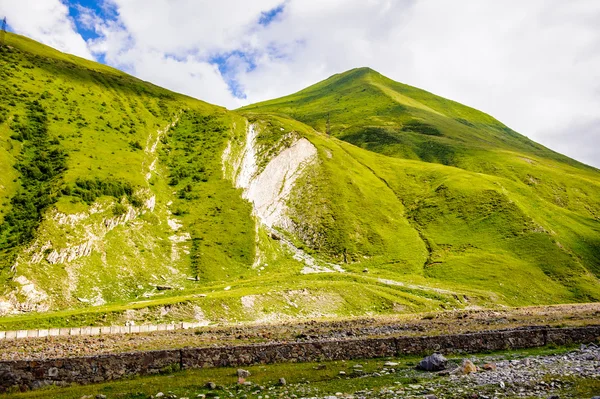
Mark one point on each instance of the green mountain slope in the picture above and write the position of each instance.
(92, 157)
(125, 201)
(371, 111)
(506, 207)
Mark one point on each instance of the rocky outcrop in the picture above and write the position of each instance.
(26, 297)
(71, 253)
(269, 188)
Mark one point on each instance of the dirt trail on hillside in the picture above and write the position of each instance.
(462, 321)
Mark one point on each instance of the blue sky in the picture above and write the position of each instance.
(533, 65)
(74, 12)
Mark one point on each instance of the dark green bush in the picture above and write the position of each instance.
(41, 164)
(90, 189)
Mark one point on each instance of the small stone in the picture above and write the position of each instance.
(430, 396)
(390, 364)
(158, 395)
(243, 373)
(282, 381)
(211, 385)
(342, 372)
(489, 366)
(435, 362)
(365, 270)
(467, 367)
(501, 384)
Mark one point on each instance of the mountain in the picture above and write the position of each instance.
(371, 111)
(500, 204)
(359, 195)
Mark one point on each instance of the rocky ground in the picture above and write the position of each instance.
(545, 376)
(404, 325)
(529, 373)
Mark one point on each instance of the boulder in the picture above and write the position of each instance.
(467, 367)
(435, 362)
(241, 373)
(489, 366)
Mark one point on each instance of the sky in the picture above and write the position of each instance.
(534, 65)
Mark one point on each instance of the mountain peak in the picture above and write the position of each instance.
(361, 105)
(360, 71)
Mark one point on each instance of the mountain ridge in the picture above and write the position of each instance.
(341, 83)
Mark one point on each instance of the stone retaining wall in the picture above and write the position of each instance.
(31, 374)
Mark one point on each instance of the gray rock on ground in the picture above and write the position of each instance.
(241, 373)
(435, 362)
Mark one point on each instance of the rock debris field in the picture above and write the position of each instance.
(551, 376)
(544, 376)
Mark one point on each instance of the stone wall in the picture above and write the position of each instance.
(85, 370)
(31, 374)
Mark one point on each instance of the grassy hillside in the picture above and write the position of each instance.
(124, 201)
(369, 110)
(493, 208)
(100, 171)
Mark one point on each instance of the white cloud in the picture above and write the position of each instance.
(172, 42)
(46, 21)
(534, 65)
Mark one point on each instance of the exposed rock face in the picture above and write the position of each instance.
(71, 253)
(111, 223)
(269, 190)
(435, 362)
(27, 297)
